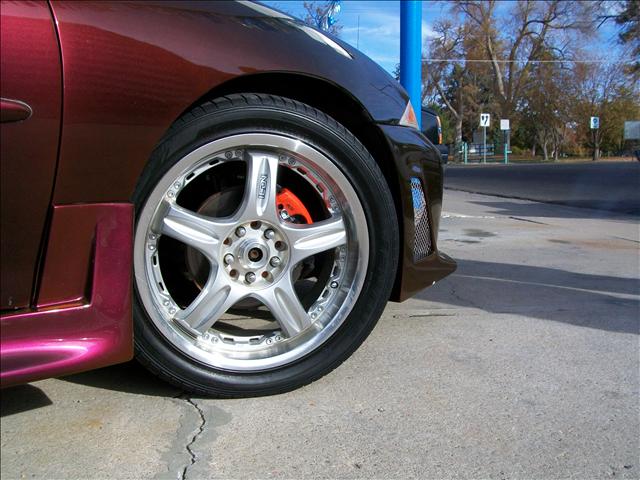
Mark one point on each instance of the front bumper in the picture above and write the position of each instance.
(420, 182)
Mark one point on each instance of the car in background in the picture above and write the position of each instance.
(432, 129)
(215, 186)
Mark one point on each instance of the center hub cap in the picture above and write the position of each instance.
(255, 254)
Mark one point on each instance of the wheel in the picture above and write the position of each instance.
(265, 248)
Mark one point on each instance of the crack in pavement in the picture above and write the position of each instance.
(188, 446)
(197, 429)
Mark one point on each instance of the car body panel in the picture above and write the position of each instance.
(131, 69)
(30, 81)
(416, 158)
(92, 332)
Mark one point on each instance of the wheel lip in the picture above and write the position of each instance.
(201, 154)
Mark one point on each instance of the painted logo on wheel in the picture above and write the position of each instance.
(262, 187)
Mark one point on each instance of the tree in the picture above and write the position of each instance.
(320, 15)
(450, 80)
(527, 64)
(534, 27)
(545, 109)
(601, 90)
(444, 79)
(629, 22)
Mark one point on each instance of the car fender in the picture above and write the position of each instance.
(131, 69)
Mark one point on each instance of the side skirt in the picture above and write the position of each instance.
(83, 318)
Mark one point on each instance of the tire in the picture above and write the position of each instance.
(214, 245)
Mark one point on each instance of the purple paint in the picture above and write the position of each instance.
(60, 341)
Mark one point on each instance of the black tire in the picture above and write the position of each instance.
(242, 113)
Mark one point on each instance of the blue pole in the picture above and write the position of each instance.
(411, 52)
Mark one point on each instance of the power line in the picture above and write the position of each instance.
(462, 60)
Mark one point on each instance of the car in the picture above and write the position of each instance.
(216, 187)
(431, 127)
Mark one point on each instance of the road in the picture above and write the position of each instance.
(523, 364)
(605, 186)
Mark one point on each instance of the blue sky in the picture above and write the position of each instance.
(379, 25)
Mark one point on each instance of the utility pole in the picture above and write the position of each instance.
(411, 52)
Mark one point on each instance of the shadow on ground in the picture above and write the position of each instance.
(22, 399)
(130, 377)
(552, 294)
(540, 292)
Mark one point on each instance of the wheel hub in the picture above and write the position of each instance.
(255, 254)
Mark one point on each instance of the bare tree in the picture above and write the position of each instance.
(601, 90)
(454, 80)
(545, 108)
(448, 80)
(533, 28)
(317, 15)
(528, 65)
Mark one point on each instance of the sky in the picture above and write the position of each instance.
(374, 26)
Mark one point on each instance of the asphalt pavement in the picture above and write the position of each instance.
(602, 186)
(522, 364)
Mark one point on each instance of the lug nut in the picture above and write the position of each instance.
(240, 231)
(275, 261)
(269, 234)
(250, 277)
(228, 259)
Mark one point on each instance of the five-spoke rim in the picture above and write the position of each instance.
(253, 254)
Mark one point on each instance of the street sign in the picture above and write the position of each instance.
(506, 131)
(632, 130)
(485, 121)
(595, 123)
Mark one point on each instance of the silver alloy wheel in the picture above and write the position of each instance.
(253, 254)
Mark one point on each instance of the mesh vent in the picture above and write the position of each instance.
(422, 240)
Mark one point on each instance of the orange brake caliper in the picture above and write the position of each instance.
(292, 207)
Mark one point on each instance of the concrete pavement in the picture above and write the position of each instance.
(523, 364)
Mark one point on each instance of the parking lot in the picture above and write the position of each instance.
(522, 364)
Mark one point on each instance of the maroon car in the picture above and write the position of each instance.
(217, 187)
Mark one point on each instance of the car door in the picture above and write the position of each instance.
(31, 94)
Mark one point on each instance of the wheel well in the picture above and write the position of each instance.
(335, 102)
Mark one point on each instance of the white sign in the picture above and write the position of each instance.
(504, 124)
(485, 119)
(632, 130)
(595, 123)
